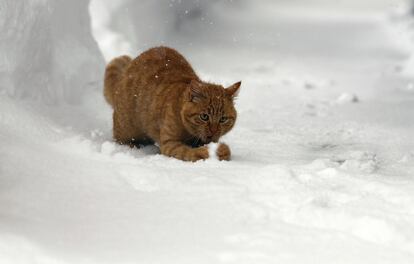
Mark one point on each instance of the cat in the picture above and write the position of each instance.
(158, 98)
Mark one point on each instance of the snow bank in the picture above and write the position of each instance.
(401, 28)
(47, 51)
(129, 27)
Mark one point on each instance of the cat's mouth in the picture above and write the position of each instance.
(210, 139)
(203, 140)
(198, 142)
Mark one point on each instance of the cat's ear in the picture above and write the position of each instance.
(195, 93)
(233, 90)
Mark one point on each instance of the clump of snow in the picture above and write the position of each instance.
(352, 162)
(345, 98)
(359, 161)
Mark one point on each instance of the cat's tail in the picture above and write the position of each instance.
(113, 74)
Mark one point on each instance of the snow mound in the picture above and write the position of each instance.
(47, 50)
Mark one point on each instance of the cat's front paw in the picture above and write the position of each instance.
(223, 152)
(200, 153)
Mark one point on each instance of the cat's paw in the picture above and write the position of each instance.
(200, 153)
(223, 152)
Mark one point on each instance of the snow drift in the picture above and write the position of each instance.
(47, 50)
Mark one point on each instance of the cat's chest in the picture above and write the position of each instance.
(194, 142)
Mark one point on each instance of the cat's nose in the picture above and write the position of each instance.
(213, 129)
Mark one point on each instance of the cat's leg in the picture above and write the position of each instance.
(120, 134)
(181, 151)
(171, 146)
(125, 134)
(124, 140)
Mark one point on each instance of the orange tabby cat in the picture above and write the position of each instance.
(157, 97)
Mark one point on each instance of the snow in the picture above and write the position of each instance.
(347, 98)
(45, 53)
(212, 150)
(315, 177)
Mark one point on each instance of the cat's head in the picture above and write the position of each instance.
(208, 111)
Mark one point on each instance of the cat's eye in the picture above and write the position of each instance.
(204, 117)
(223, 119)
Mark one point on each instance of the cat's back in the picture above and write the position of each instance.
(161, 65)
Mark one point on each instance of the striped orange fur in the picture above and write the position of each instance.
(158, 98)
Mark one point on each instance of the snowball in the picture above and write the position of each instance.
(212, 150)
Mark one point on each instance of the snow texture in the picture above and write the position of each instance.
(322, 166)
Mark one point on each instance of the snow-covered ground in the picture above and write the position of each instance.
(323, 154)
